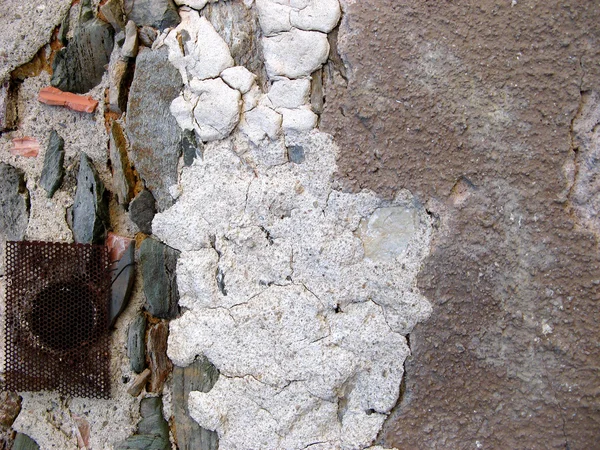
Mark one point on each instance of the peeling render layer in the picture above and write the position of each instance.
(305, 328)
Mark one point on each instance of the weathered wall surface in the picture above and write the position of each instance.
(481, 108)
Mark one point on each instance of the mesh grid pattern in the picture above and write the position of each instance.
(56, 326)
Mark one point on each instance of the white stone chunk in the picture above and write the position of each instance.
(182, 110)
(261, 122)
(274, 17)
(317, 15)
(196, 49)
(295, 54)
(217, 111)
(239, 78)
(286, 93)
(195, 4)
(252, 98)
(299, 120)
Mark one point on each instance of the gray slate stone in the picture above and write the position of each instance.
(152, 431)
(190, 147)
(296, 153)
(122, 283)
(158, 263)
(14, 207)
(8, 105)
(136, 343)
(159, 14)
(89, 214)
(153, 132)
(142, 211)
(24, 442)
(53, 171)
(80, 66)
(201, 376)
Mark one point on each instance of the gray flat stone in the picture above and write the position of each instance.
(152, 430)
(90, 208)
(24, 442)
(190, 147)
(201, 376)
(153, 132)
(144, 442)
(53, 171)
(131, 45)
(122, 283)
(142, 210)
(14, 207)
(158, 263)
(159, 14)
(296, 153)
(80, 66)
(136, 343)
(8, 105)
(123, 176)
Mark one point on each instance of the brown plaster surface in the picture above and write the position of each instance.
(469, 104)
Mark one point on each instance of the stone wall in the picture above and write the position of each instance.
(354, 224)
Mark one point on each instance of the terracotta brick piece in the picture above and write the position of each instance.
(26, 146)
(53, 96)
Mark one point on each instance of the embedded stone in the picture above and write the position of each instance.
(299, 120)
(317, 95)
(159, 14)
(274, 16)
(152, 430)
(123, 274)
(8, 104)
(120, 74)
(138, 384)
(159, 364)
(316, 15)
(196, 49)
(286, 93)
(122, 172)
(190, 148)
(89, 214)
(158, 263)
(239, 78)
(147, 35)
(131, 45)
(53, 170)
(201, 376)
(153, 132)
(260, 122)
(10, 407)
(14, 206)
(24, 442)
(296, 154)
(295, 53)
(79, 66)
(218, 109)
(136, 343)
(142, 210)
(113, 12)
(195, 4)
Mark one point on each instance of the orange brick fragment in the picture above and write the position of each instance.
(53, 96)
(26, 146)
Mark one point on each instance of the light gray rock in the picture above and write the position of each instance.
(295, 54)
(196, 49)
(90, 218)
(120, 74)
(113, 11)
(131, 45)
(274, 16)
(159, 14)
(217, 110)
(260, 122)
(316, 15)
(53, 171)
(239, 78)
(286, 93)
(153, 132)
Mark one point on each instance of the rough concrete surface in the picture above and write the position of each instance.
(470, 106)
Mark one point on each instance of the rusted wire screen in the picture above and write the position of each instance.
(56, 333)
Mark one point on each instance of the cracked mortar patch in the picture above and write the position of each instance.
(306, 330)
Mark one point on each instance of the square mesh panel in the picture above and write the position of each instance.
(56, 328)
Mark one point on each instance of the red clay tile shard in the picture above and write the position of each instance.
(53, 96)
(26, 146)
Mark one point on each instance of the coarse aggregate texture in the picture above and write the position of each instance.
(471, 105)
(306, 332)
(27, 26)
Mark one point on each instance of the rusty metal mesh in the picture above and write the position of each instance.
(56, 332)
